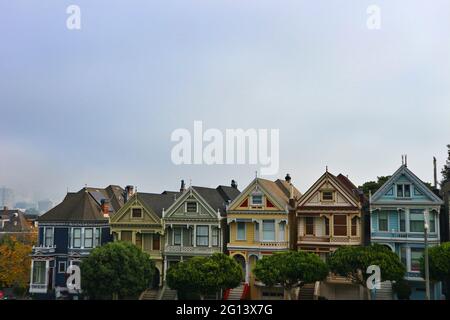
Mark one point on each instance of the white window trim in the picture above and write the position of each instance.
(65, 266)
(274, 231)
(257, 204)
(196, 206)
(52, 236)
(378, 222)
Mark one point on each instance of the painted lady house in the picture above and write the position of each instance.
(139, 221)
(195, 223)
(330, 215)
(67, 234)
(258, 223)
(398, 210)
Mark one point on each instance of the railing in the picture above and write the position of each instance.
(38, 288)
(403, 235)
(277, 244)
(415, 275)
(79, 251)
(192, 249)
(330, 239)
(43, 249)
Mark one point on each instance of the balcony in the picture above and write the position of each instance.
(329, 239)
(403, 235)
(79, 252)
(43, 250)
(38, 288)
(274, 244)
(200, 250)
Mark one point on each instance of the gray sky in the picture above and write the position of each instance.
(97, 106)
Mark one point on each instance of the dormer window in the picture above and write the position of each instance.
(136, 213)
(191, 207)
(403, 191)
(327, 195)
(257, 199)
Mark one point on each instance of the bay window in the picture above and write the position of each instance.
(39, 271)
(215, 237)
(340, 224)
(416, 221)
(282, 231)
(76, 238)
(176, 236)
(241, 231)
(88, 237)
(268, 230)
(203, 235)
(382, 221)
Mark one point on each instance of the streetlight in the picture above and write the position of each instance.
(427, 269)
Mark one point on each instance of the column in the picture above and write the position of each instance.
(165, 268)
(247, 267)
(349, 225)
(133, 237)
(209, 235)
(331, 224)
(195, 236)
(182, 240)
(277, 229)
(260, 230)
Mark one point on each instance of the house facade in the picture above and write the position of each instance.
(258, 226)
(195, 223)
(67, 234)
(13, 223)
(329, 215)
(139, 221)
(398, 210)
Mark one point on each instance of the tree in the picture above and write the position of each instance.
(439, 265)
(204, 275)
(290, 269)
(446, 170)
(372, 186)
(352, 262)
(15, 263)
(116, 270)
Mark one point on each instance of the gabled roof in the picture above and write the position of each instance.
(85, 205)
(157, 202)
(340, 182)
(418, 183)
(13, 221)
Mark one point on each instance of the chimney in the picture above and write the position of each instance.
(105, 207)
(234, 184)
(435, 172)
(288, 178)
(183, 186)
(129, 191)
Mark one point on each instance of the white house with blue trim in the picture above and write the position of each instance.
(397, 221)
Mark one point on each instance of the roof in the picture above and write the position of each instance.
(279, 189)
(13, 221)
(219, 197)
(85, 205)
(158, 201)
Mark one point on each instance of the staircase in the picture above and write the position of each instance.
(149, 294)
(307, 292)
(168, 294)
(236, 293)
(385, 292)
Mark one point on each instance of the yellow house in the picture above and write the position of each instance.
(139, 221)
(258, 224)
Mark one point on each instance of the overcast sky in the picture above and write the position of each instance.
(97, 106)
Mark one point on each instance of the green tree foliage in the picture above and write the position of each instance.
(205, 275)
(290, 269)
(116, 270)
(446, 170)
(352, 261)
(372, 186)
(439, 264)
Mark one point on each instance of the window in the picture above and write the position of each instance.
(354, 226)
(97, 241)
(309, 225)
(191, 207)
(416, 254)
(403, 191)
(39, 272)
(257, 199)
(215, 237)
(327, 226)
(62, 267)
(382, 221)
(136, 213)
(177, 236)
(241, 231)
(126, 236)
(88, 237)
(77, 237)
(402, 217)
(147, 241)
(416, 222)
(256, 232)
(138, 240)
(327, 195)
(268, 230)
(156, 242)
(432, 222)
(403, 255)
(202, 235)
(282, 229)
(48, 237)
(340, 224)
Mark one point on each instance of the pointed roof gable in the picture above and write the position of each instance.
(412, 178)
(158, 202)
(341, 183)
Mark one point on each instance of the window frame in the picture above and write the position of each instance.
(59, 266)
(204, 237)
(191, 202)
(74, 238)
(322, 193)
(244, 238)
(91, 238)
(175, 243)
(309, 225)
(340, 225)
(271, 223)
(257, 203)
(49, 234)
(141, 215)
(379, 219)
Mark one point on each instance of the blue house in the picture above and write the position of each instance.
(67, 234)
(397, 221)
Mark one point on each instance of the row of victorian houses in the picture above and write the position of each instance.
(264, 218)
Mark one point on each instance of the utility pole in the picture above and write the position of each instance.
(427, 268)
